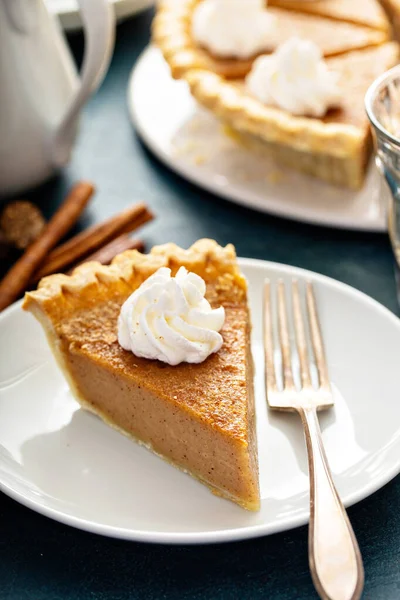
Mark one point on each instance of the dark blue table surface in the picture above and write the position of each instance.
(41, 559)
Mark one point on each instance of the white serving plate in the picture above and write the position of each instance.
(67, 464)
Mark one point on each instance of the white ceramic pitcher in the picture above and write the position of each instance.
(40, 92)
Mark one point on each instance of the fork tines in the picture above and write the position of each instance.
(304, 330)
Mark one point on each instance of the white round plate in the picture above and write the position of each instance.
(67, 464)
(192, 142)
(68, 12)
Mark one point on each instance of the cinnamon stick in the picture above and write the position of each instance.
(18, 277)
(93, 238)
(106, 254)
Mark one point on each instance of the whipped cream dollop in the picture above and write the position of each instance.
(295, 78)
(233, 28)
(168, 319)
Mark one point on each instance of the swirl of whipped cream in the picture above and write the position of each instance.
(168, 319)
(233, 28)
(295, 78)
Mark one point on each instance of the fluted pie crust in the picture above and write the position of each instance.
(200, 418)
(335, 148)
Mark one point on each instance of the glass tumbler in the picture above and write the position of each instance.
(382, 103)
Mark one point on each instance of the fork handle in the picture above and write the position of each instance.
(335, 559)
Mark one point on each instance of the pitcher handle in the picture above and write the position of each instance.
(99, 23)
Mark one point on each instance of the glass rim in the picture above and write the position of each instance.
(380, 83)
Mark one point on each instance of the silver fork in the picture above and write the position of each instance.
(334, 557)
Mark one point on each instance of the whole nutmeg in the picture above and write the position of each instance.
(21, 223)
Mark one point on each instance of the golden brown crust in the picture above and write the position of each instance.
(59, 294)
(344, 170)
(172, 33)
(233, 104)
(247, 114)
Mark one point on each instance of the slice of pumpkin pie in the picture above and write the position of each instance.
(158, 346)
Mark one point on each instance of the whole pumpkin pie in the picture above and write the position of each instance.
(333, 145)
(199, 416)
